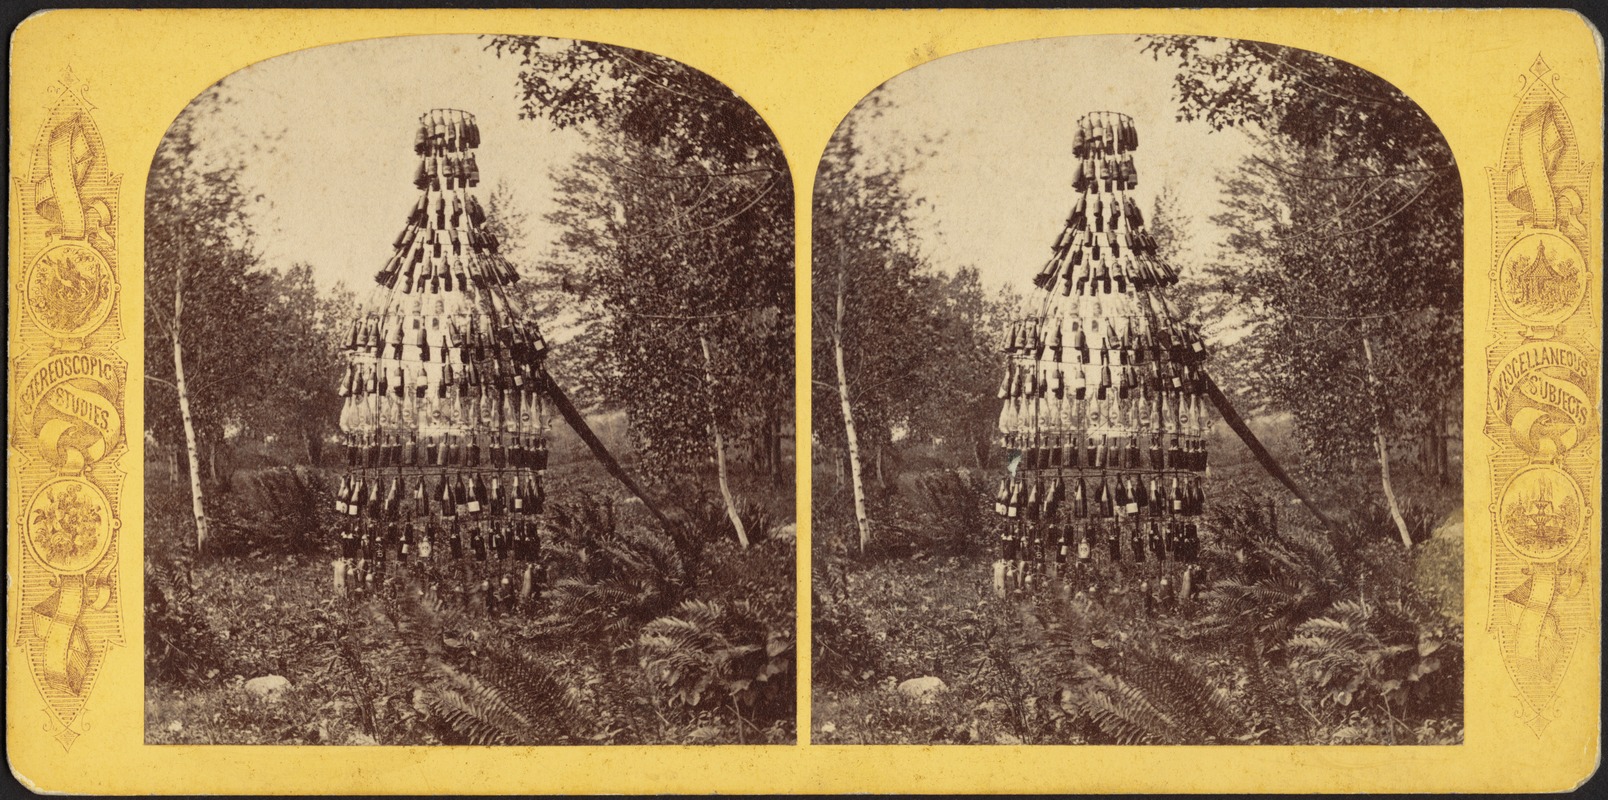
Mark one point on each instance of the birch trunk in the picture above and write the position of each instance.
(720, 447)
(860, 517)
(184, 412)
(1383, 451)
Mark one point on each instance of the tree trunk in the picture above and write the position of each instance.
(720, 447)
(853, 442)
(773, 461)
(189, 423)
(566, 409)
(212, 460)
(1382, 449)
(315, 445)
(1260, 452)
(882, 479)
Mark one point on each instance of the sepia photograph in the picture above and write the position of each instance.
(1137, 403)
(468, 403)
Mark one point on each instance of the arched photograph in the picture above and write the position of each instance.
(1137, 403)
(469, 420)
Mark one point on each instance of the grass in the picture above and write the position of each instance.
(930, 616)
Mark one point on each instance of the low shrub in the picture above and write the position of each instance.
(180, 644)
(843, 651)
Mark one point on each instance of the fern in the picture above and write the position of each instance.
(643, 576)
(466, 721)
(490, 696)
(1144, 698)
(757, 519)
(617, 577)
(501, 698)
(1269, 580)
(711, 652)
(1392, 653)
(954, 515)
(1120, 686)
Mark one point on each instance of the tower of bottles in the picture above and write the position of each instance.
(445, 419)
(1103, 397)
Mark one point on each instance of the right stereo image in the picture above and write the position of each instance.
(1137, 403)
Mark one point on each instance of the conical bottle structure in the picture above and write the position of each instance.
(1103, 390)
(444, 391)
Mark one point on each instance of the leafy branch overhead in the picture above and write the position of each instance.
(647, 98)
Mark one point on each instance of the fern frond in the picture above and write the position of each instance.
(470, 722)
(503, 698)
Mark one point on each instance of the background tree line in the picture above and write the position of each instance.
(669, 295)
(675, 261)
(901, 352)
(1344, 258)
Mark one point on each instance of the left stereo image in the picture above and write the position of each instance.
(469, 403)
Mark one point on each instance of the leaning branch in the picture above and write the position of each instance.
(1306, 176)
(1376, 223)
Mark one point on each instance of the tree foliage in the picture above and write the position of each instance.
(961, 364)
(1347, 225)
(301, 356)
(657, 102)
(261, 342)
(197, 241)
(920, 354)
(863, 240)
(675, 257)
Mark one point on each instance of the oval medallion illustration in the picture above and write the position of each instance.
(70, 289)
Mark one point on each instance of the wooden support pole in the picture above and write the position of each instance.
(1263, 457)
(571, 415)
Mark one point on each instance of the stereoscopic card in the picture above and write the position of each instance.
(680, 401)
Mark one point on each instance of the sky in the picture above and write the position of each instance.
(326, 136)
(986, 138)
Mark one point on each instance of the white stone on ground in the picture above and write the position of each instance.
(268, 687)
(924, 687)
